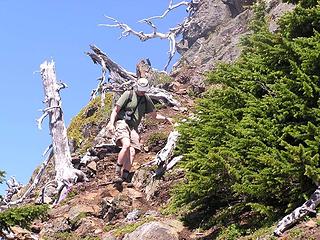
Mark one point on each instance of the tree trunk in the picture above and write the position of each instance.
(66, 174)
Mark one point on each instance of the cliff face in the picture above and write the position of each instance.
(214, 34)
(100, 210)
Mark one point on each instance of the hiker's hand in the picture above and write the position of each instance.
(110, 128)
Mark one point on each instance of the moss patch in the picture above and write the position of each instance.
(156, 141)
(75, 222)
(69, 236)
(161, 78)
(92, 114)
(129, 228)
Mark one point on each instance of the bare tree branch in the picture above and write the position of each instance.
(171, 35)
(35, 181)
(170, 7)
(47, 150)
(13, 187)
(116, 73)
(40, 120)
(45, 113)
(162, 95)
(61, 85)
(122, 80)
(102, 80)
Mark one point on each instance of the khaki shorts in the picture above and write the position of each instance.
(124, 131)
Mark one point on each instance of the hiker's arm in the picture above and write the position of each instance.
(113, 116)
(158, 116)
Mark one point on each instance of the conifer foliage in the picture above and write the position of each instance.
(252, 149)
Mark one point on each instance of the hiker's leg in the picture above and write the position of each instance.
(124, 154)
(128, 164)
(134, 147)
(132, 154)
(122, 139)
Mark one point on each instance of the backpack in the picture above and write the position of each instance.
(129, 99)
(129, 114)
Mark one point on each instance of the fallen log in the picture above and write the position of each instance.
(300, 212)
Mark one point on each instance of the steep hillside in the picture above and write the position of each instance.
(102, 209)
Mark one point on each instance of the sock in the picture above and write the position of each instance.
(125, 174)
(118, 169)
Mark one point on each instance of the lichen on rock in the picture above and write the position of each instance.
(86, 125)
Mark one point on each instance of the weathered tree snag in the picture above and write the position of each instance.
(143, 69)
(36, 179)
(117, 73)
(300, 212)
(163, 156)
(100, 88)
(121, 80)
(171, 35)
(13, 187)
(162, 95)
(66, 174)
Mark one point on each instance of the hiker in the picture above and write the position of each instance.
(124, 121)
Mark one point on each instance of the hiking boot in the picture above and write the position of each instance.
(118, 180)
(125, 175)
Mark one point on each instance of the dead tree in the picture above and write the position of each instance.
(144, 69)
(66, 174)
(36, 179)
(300, 212)
(163, 159)
(171, 35)
(13, 188)
(121, 80)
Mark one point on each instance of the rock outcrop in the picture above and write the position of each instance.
(213, 36)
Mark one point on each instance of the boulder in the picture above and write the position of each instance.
(156, 231)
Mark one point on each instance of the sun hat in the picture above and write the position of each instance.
(143, 85)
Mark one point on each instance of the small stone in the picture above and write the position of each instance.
(311, 224)
(183, 109)
(134, 215)
(92, 166)
(98, 231)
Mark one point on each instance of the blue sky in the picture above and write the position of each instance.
(33, 31)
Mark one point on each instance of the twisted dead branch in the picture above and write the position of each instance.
(171, 35)
(121, 80)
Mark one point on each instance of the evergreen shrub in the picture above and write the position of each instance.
(22, 216)
(252, 149)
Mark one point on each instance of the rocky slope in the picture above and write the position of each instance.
(214, 36)
(99, 209)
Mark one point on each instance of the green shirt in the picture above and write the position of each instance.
(145, 106)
